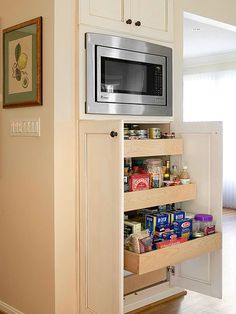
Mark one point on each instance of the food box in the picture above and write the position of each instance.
(131, 227)
(165, 232)
(163, 244)
(139, 182)
(175, 215)
(154, 221)
(183, 228)
(162, 219)
(150, 223)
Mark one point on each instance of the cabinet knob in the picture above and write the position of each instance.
(113, 134)
(138, 23)
(129, 21)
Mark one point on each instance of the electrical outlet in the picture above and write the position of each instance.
(25, 127)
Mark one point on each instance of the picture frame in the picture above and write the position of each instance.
(22, 64)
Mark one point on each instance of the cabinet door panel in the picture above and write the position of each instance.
(110, 14)
(101, 228)
(203, 156)
(156, 17)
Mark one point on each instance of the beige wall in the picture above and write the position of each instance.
(26, 184)
(223, 11)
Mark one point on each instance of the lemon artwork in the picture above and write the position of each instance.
(22, 61)
(18, 67)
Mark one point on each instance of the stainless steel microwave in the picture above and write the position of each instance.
(128, 77)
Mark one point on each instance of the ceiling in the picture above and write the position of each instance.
(201, 39)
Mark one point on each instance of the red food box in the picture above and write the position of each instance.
(139, 182)
(163, 244)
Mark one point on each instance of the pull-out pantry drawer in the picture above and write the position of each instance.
(172, 255)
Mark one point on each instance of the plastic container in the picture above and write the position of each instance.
(205, 222)
(154, 168)
(184, 176)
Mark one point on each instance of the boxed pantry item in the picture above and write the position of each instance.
(175, 214)
(163, 244)
(154, 221)
(166, 232)
(131, 227)
(139, 182)
(183, 228)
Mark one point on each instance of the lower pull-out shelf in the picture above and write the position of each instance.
(147, 262)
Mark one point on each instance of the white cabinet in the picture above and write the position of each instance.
(150, 18)
(102, 206)
(100, 219)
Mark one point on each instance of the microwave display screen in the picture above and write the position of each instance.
(130, 77)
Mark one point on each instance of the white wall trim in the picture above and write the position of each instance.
(148, 296)
(218, 60)
(209, 21)
(9, 309)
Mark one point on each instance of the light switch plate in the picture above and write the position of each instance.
(25, 127)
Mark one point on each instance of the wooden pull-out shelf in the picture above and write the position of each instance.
(160, 196)
(147, 262)
(159, 147)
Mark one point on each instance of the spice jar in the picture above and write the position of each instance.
(206, 224)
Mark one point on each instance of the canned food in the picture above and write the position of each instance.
(126, 131)
(168, 135)
(154, 133)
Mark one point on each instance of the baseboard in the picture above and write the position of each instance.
(149, 296)
(8, 309)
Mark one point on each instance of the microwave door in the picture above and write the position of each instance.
(129, 77)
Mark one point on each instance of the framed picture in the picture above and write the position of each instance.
(22, 61)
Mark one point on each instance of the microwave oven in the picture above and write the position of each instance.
(127, 77)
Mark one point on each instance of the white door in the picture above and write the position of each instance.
(153, 19)
(101, 217)
(203, 156)
(109, 14)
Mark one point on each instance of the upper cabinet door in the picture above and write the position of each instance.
(203, 156)
(109, 14)
(153, 19)
(142, 18)
(101, 217)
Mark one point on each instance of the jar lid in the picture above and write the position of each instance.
(203, 217)
(189, 215)
(153, 161)
(198, 234)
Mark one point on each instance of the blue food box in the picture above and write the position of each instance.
(176, 215)
(150, 223)
(161, 219)
(154, 221)
(183, 228)
(165, 232)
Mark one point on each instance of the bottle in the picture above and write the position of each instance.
(135, 170)
(184, 176)
(174, 175)
(167, 172)
(126, 179)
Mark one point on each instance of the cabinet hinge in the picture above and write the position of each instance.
(170, 271)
